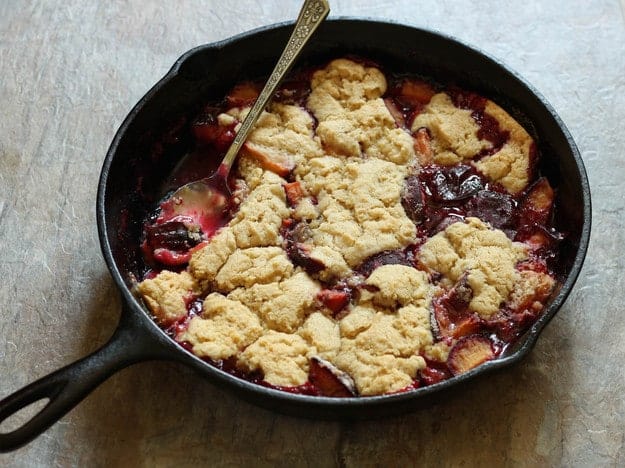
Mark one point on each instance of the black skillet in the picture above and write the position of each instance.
(155, 134)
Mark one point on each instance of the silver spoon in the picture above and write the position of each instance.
(208, 198)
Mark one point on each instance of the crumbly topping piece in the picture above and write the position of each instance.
(438, 351)
(282, 305)
(224, 329)
(344, 85)
(486, 256)
(281, 357)
(360, 211)
(398, 285)
(510, 166)
(334, 263)
(357, 321)
(282, 136)
(258, 220)
(380, 351)
(453, 131)
(256, 265)
(321, 333)
(353, 119)
(206, 262)
(530, 292)
(166, 295)
(305, 210)
(250, 170)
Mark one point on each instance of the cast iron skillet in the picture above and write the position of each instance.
(154, 135)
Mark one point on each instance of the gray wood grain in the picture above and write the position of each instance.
(71, 70)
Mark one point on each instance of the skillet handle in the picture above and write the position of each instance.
(66, 387)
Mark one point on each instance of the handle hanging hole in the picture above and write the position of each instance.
(22, 416)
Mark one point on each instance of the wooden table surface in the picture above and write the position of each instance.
(70, 72)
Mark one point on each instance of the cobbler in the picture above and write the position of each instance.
(385, 233)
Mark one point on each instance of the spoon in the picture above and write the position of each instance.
(206, 200)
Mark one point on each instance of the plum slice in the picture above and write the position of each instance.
(496, 208)
(423, 146)
(433, 373)
(330, 380)
(406, 98)
(295, 235)
(395, 111)
(452, 317)
(412, 199)
(468, 353)
(452, 184)
(172, 235)
(243, 94)
(536, 207)
(333, 299)
(207, 130)
(294, 192)
(170, 243)
(387, 257)
(534, 213)
(270, 159)
(415, 92)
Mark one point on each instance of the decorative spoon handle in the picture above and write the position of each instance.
(311, 15)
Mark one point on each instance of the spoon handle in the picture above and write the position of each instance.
(311, 15)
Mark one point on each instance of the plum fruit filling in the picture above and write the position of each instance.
(385, 233)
